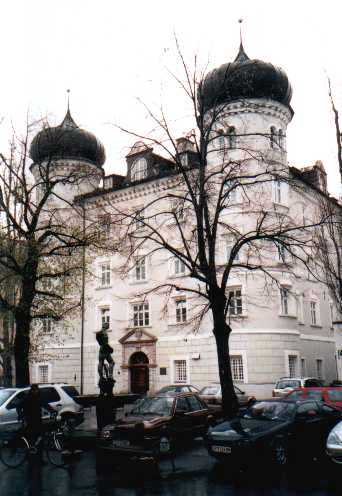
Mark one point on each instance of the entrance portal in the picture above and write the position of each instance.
(139, 371)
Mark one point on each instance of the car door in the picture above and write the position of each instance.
(198, 415)
(9, 417)
(182, 420)
(309, 424)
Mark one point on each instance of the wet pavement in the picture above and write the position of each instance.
(193, 473)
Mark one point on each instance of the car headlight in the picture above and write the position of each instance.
(333, 438)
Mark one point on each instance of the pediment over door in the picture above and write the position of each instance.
(138, 336)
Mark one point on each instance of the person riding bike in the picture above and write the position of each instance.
(30, 412)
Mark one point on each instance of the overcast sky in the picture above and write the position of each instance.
(110, 52)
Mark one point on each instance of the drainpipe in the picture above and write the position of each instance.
(82, 299)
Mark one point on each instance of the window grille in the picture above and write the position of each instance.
(47, 325)
(292, 365)
(235, 302)
(236, 364)
(141, 314)
(180, 371)
(43, 374)
(181, 315)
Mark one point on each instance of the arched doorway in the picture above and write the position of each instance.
(139, 371)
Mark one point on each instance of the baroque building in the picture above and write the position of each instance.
(281, 330)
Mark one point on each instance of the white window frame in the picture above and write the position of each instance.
(232, 197)
(181, 270)
(139, 169)
(229, 242)
(241, 297)
(315, 317)
(105, 275)
(243, 354)
(139, 219)
(284, 301)
(184, 159)
(280, 192)
(181, 310)
(101, 309)
(175, 358)
(144, 310)
(49, 369)
(287, 354)
(231, 138)
(300, 308)
(105, 223)
(140, 269)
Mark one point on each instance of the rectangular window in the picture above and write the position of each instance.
(179, 267)
(139, 220)
(236, 364)
(230, 242)
(140, 269)
(180, 371)
(319, 368)
(230, 189)
(105, 274)
(43, 374)
(141, 314)
(47, 324)
(303, 367)
(313, 312)
(277, 192)
(284, 298)
(104, 224)
(177, 209)
(235, 302)
(105, 317)
(221, 144)
(293, 361)
(181, 315)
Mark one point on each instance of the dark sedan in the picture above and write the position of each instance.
(156, 424)
(275, 431)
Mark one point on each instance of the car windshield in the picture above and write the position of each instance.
(287, 384)
(158, 406)
(210, 390)
(168, 389)
(335, 394)
(271, 410)
(5, 394)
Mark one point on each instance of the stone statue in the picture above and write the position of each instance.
(106, 363)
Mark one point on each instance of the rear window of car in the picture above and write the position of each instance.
(287, 384)
(334, 394)
(70, 391)
(209, 390)
(4, 395)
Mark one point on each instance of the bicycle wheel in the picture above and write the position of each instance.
(55, 449)
(14, 452)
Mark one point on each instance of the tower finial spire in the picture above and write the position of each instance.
(68, 91)
(68, 121)
(241, 56)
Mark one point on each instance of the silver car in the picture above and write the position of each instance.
(334, 444)
(287, 384)
(59, 396)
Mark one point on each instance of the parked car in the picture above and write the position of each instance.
(178, 388)
(274, 431)
(155, 425)
(212, 394)
(331, 396)
(287, 384)
(59, 396)
(334, 444)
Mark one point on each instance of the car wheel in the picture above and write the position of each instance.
(279, 453)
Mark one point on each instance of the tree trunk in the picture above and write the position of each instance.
(21, 351)
(7, 370)
(222, 332)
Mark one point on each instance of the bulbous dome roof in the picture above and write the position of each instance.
(67, 141)
(244, 78)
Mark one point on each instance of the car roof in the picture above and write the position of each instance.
(315, 388)
(174, 394)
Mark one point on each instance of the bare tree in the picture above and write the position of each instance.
(197, 205)
(42, 237)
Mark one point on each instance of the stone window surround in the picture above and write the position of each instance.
(100, 264)
(288, 353)
(172, 368)
(40, 364)
(243, 354)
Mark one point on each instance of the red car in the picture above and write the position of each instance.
(330, 395)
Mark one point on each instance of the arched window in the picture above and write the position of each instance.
(139, 169)
(231, 138)
(273, 137)
(280, 138)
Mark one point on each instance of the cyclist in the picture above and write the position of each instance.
(30, 411)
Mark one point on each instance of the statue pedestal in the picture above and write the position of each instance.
(105, 409)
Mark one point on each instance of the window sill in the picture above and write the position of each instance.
(175, 324)
(103, 287)
(133, 283)
(289, 316)
(316, 325)
(177, 276)
(131, 328)
(239, 316)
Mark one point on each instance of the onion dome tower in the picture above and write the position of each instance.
(71, 152)
(252, 101)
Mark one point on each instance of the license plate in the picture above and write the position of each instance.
(222, 449)
(121, 443)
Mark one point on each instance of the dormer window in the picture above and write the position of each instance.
(139, 169)
(231, 138)
(273, 137)
(184, 159)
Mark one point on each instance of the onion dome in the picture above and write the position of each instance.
(67, 141)
(244, 78)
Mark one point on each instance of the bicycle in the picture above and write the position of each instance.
(15, 451)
